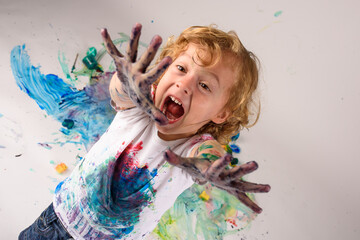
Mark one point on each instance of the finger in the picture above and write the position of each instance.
(248, 186)
(239, 171)
(144, 102)
(173, 158)
(218, 167)
(193, 166)
(150, 53)
(199, 181)
(159, 117)
(155, 73)
(109, 45)
(132, 49)
(248, 202)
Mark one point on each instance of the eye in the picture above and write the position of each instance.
(204, 86)
(180, 68)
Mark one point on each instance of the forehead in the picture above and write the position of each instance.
(220, 67)
(197, 53)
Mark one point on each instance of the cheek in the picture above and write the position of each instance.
(157, 98)
(215, 106)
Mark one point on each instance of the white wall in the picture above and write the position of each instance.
(306, 142)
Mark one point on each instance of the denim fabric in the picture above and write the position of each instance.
(47, 226)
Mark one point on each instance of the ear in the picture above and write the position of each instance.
(221, 117)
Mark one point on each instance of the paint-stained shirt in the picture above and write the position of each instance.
(123, 185)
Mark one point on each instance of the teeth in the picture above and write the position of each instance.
(174, 100)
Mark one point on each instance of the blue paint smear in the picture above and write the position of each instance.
(88, 109)
(235, 148)
(131, 187)
(235, 137)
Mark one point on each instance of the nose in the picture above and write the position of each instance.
(186, 85)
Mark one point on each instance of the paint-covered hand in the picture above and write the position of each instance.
(135, 80)
(216, 173)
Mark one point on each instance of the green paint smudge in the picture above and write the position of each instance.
(278, 13)
(209, 156)
(204, 146)
(210, 217)
(68, 123)
(234, 161)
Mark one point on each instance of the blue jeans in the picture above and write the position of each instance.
(47, 226)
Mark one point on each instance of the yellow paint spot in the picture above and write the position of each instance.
(60, 168)
(203, 196)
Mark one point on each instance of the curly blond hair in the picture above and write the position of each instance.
(244, 63)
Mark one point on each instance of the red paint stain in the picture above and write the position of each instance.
(232, 221)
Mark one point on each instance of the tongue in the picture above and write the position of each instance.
(174, 110)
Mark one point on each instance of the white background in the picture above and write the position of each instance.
(307, 140)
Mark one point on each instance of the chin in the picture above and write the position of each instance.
(169, 133)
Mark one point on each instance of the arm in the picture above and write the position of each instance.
(132, 84)
(202, 169)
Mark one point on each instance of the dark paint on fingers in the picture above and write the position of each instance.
(171, 157)
(132, 49)
(160, 118)
(249, 203)
(240, 171)
(218, 167)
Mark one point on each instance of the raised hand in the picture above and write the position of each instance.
(136, 81)
(216, 173)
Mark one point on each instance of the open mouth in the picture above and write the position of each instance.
(173, 109)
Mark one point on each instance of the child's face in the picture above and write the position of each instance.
(191, 95)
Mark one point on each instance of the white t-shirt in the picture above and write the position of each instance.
(123, 185)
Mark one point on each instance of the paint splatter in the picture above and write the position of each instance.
(235, 148)
(45, 145)
(60, 168)
(132, 183)
(85, 113)
(278, 13)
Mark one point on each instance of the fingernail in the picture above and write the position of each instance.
(104, 32)
(169, 61)
(156, 41)
(137, 29)
(255, 165)
(137, 25)
(267, 188)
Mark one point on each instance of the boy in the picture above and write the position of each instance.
(124, 184)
